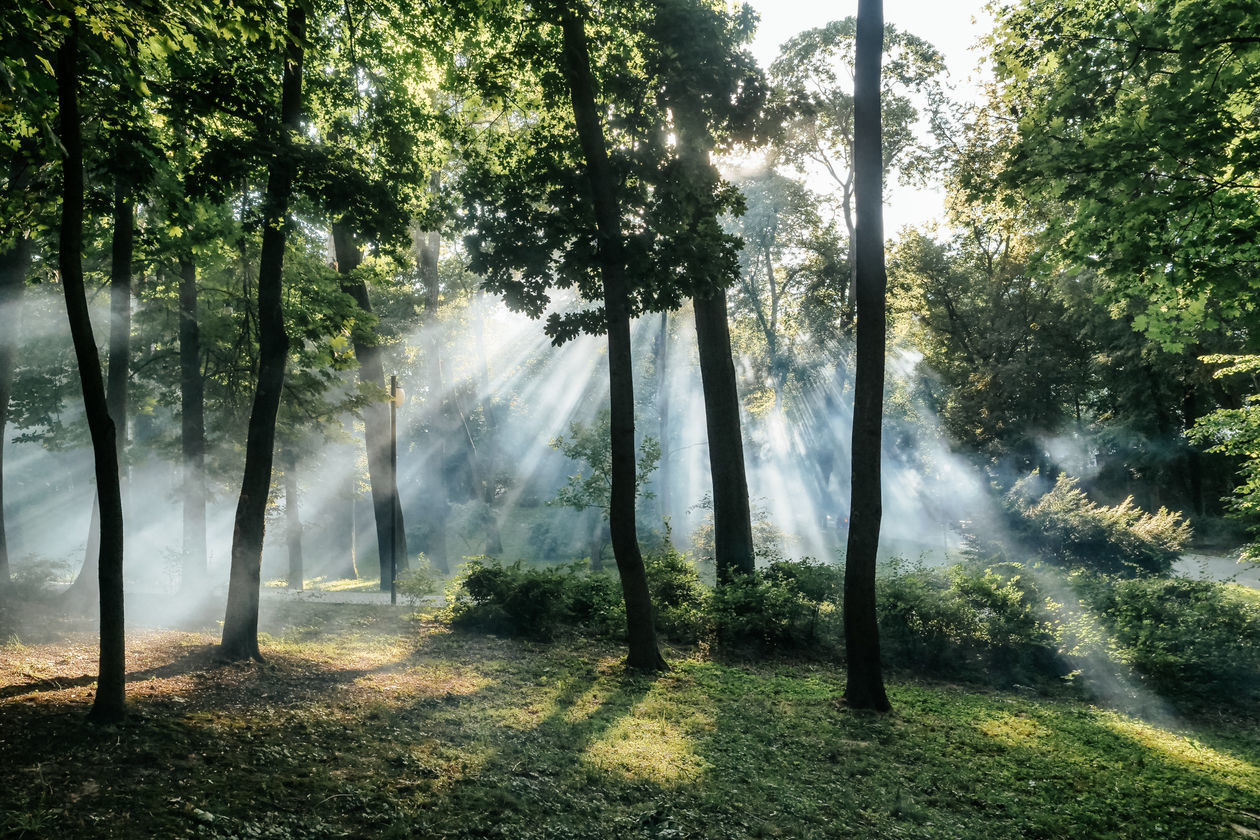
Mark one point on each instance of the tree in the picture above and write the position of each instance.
(710, 86)
(601, 183)
(865, 686)
(240, 625)
(818, 113)
(109, 704)
(1137, 119)
(590, 489)
(391, 540)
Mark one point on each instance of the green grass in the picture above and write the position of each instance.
(326, 584)
(365, 723)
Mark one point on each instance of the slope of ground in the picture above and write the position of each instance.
(367, 723)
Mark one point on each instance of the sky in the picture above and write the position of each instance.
(952, 26)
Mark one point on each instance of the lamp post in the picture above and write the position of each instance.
(395, 397)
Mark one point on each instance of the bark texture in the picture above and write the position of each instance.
(240, 624)
(644, 653)
(293, 521)
(865, 686)
(192, 427)
(732, 517)
(14, 264)
(384, 484)
(109, 704)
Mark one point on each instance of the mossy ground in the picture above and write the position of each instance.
(367, 722)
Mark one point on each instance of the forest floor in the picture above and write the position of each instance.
(367, 721)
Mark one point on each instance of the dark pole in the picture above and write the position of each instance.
(393, 480)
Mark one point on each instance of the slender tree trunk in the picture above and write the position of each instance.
(487, 453)
(293, 521)
(109, 704)
(14, 264)
(428, 250)
(599, 538)
(732, 518)
(84, 589)
(644, 653)
(665, 470)
(192, 425)
(865, 686)
(386, 507)
(240, 624)
(354, 528)
(120, 311)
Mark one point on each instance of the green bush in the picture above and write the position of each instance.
(966, 621)
(1064, 527)
(1192, 639)
(678, 595)
(787, 606)
(533, 602)
(1000, 623)
(418, 582)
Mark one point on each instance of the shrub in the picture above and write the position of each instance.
(678, 595)
(534, 602)
(1062, 526)
(788, 606)
(1195, 639)
(418, 582)
(966, 620)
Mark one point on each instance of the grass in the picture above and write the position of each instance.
(327, 584)
(368, 723)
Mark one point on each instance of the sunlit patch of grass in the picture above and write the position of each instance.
(646, 749)
(363, 723)
(1187, 752)
(1012, 729)
(345, 584)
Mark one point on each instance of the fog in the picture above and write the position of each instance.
(505, 395)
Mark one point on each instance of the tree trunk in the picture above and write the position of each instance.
(599, 539)
(240, 624)
(192, 426)
(428, 250)
(386, 507)
(865, 686)
(109, 704)
(14, 265)
(293, 522)
(487, 454)
(732, 519)
(665, 470)
(644, 653)
(84, 589)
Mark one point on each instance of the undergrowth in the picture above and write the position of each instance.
(362, 725)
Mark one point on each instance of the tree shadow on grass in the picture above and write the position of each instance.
(951, 763)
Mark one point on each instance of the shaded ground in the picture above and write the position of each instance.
(367, 723)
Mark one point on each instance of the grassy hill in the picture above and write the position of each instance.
(368, 723)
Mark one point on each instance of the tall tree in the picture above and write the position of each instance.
(864, 688)
(391, 540)
(240, 625)
(644, 653)
(109, 703)
(818, 112)
(15, 262)
(1137, 120)
(192, 427)
(710, 86)
(428, 247)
